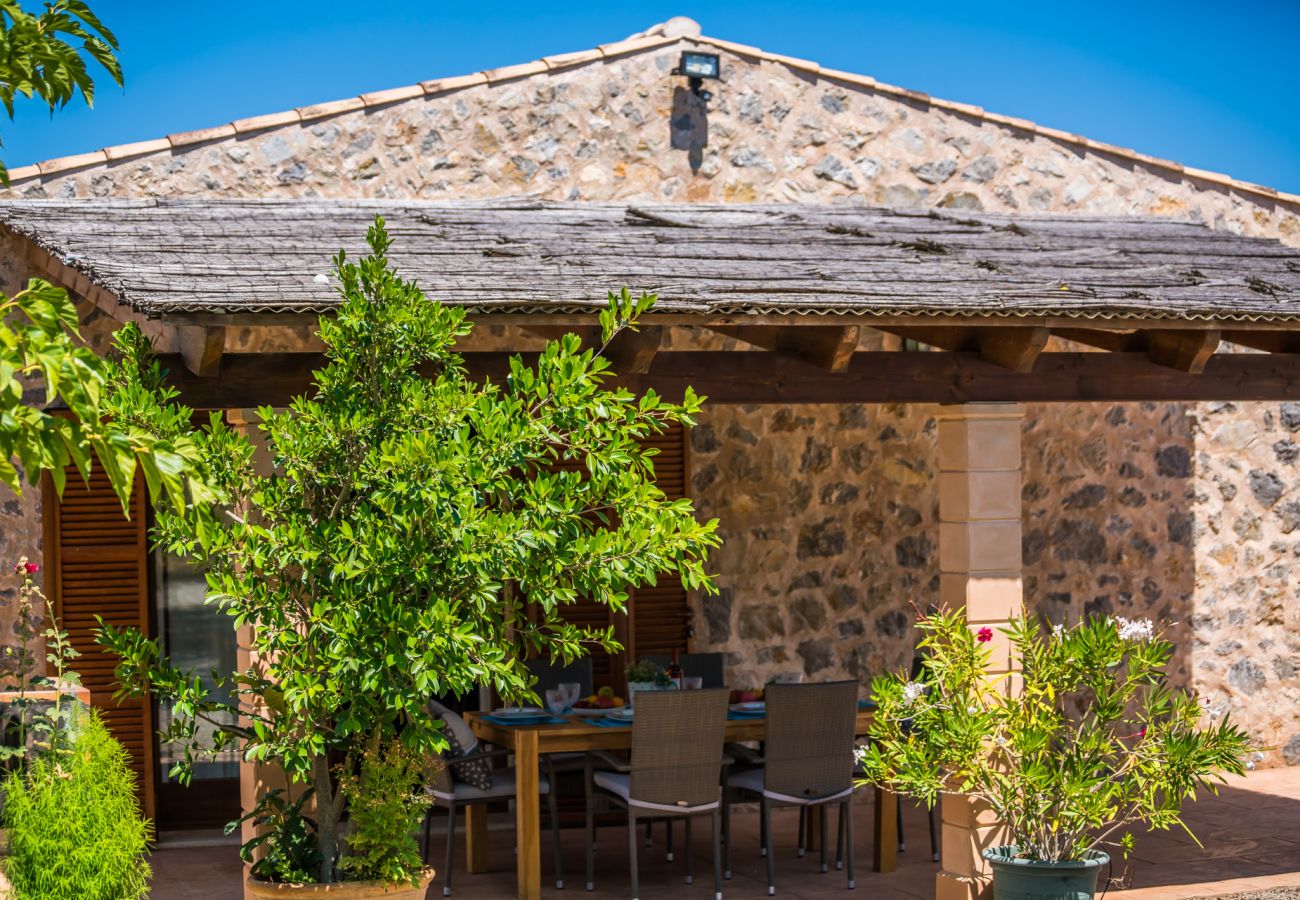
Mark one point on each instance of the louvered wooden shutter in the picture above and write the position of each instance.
(659, 619)
(97, 564)
(661, 615)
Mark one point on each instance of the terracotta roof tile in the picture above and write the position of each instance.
(261, 123)
(392, 95)
(64, 163)
(332, 108)
(201, 135)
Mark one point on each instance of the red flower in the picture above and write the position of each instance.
(32, 568)
(984, 635)
(1142, 733)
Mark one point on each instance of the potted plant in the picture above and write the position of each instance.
(645, 675)
(418, 535)
(1087, 742)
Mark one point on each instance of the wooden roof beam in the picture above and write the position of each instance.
(829, 347)
(1014, 347)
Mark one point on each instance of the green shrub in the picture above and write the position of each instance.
(386, 803)
(75, 829)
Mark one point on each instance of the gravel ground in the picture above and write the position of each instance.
(1273, 894)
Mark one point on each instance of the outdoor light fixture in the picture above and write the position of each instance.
(696, 67)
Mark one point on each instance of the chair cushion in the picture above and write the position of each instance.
(501, 783)
(748, 780)
(462, 742)
(615, 782)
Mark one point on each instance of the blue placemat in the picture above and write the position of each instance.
(604, 722)
(866, 704)
(744, 717)
(551, 720)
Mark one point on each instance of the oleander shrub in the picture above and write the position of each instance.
(75, 828)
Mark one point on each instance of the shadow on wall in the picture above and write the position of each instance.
(1180, 513)
(688, 126)
(1107, 496)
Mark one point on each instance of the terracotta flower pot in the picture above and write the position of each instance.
(343, 890)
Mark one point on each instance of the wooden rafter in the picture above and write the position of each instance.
(201, 348)
(1011, 347)
(633, 351)
(828, 347)
(1186, 351)
(1268, 341)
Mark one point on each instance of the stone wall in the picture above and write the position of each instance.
(1183, 511)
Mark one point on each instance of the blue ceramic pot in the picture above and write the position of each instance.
(1028, 879)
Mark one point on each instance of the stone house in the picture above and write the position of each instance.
(1188, 512)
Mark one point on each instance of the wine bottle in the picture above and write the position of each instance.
(675, 673)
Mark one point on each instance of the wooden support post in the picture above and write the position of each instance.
(528, 817)
(884, 856)
(476, 838)
(979, 569)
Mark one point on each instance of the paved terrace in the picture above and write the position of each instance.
(1250, 832)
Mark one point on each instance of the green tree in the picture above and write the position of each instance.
(44, 55)
(411, 511)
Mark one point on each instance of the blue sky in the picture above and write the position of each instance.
(1211, 84)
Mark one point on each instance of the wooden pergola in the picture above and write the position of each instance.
(802, 304)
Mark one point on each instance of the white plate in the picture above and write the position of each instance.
(754, 707)
(580, 711)
(620, 713)
(521, 712)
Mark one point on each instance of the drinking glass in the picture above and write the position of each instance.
(556, 701)
(572, 692)
(692, 683)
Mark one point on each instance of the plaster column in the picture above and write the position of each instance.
(980, 569)
(255, 779)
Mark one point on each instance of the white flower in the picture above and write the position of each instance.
(1214, 713)
(1000, 741)
(1135, 629)
(972, 710)
(913, 691)
(1250, 766)
(1058, 631)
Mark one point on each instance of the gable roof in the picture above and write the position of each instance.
(213, 257)
(673, 31)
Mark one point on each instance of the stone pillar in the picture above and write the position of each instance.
(980, 569)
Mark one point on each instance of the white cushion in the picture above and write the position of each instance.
(749, 780)
(503, 785)
(614, 782)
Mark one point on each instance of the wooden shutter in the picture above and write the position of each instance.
(659, 617)
(96, 564)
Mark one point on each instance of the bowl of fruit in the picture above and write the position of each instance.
(599, 703)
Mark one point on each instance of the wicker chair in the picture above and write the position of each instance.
(807, 762)
(451, 794)
(677, 741)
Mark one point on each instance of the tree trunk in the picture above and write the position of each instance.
(328, 812)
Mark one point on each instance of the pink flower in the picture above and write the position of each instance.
(32, 568)
(984, 635)
(1142, 733)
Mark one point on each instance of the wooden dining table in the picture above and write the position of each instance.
(530, 741)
